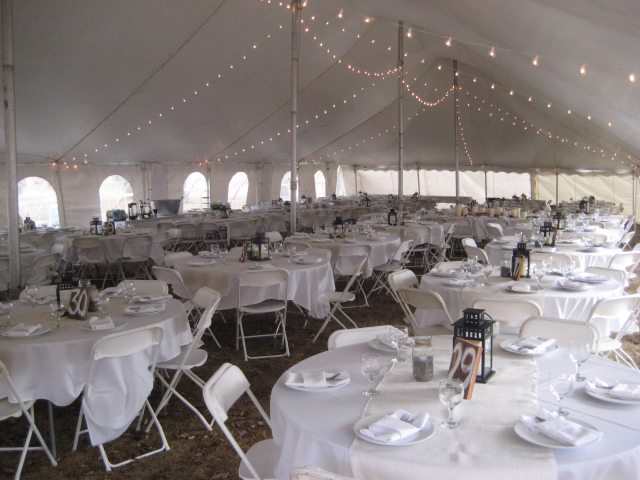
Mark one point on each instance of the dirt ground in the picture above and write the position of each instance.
(196, 454)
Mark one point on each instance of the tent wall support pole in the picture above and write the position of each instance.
(11, 156)
(400, 114)
(355, 176)
(557, 180)
(295, 60)
(209, 184)
(62, 210)
(455, 127)
(418, 175)
(486, 185)
(143, 171)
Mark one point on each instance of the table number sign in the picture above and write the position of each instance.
(465, 361)
(79, 303)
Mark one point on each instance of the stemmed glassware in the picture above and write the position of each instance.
(32, 293)
(129, 290)
(560, 385)
(57, 310)
(567, 268)
(539, 271)
(579, 352)
(371, 366)
(451, 393)
(291, 251)
(277, 247)
(398, 335)
(7, 308)
(223, 252)
(215, 249)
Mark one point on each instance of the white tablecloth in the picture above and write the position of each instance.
(26, 261)
(317, 428)
(112, 246)
(306, 281)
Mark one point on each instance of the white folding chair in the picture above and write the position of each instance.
(563, 331)
(315, 473)
(336, 298)
(15, 410)
(395, 263)
(273, 236)
(143, 343)
(403, 279)
(350, 336)
(509, 313)
(148, 287)
(494, 231)
(220, 393)
(91, 256)
(627, 261)
(479, 253)
(468, 242)
(170, 259)
(349, 258)
(191, 356)
(174, 234)
(43, 269)
(136, 254)
(276, 281)
(619, 276)
(426, 300)
(625, 240)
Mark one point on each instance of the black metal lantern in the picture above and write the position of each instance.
(145, 210)
(338, 225)
(389, 198)
(521, 259)
(133, 210)
(259, 249)
(559, 220)
(392, 218)
(548, 232)
(333, 196)
(473, 326)
(584, 205)
(95, 226)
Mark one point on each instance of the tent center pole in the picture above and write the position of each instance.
(455, 127)
(400, 113)
(295, 60)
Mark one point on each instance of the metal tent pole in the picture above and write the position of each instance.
(418, 175)
(295, 60)
(400, 113)
(61, 206)
(455, 127)
(11, 156)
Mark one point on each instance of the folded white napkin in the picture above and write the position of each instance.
(531, 344)
(149, 308)
(589, 277)
(623, 391)
(21, 330)
(385, 339)
(572, 285)
(319, 379)
(559, 428)
(520, 287)
(101, 323)
(391, 429)
(112, 292)
(44, 299)
(152, 297)
(309, 259)
(448, 271)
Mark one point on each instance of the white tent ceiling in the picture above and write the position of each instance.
(115, 82)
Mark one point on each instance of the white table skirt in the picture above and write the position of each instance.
(54, 366)
(317, 428)
(112, 246)
(306, 282)
(26, 261)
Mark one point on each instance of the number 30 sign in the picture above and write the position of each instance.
(465, 360)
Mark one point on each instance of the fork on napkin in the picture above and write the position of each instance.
(318, 379)
(105, 323)
(623, 391)
(149, 308)
(531, 344)
(392, 428)
(560, 429)
(21, 330)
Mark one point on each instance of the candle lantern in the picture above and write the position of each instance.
(28, 224)
(521, 259)
(133, 211)
(548, 233)
(559, 220)
(259, 250)
(389, 198)
(333, 196)
(584, 205)
(392, 218)
(95, 226)
(474, 327)
(145, 210)
(338, 225)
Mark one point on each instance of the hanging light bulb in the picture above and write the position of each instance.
(632, 77)
(535, 62)
(583, 69)
(367, 20)
(409, 33)
(340, 14)
(448, 42)
(492, 52)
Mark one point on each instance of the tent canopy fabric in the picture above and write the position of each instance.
(127, 82)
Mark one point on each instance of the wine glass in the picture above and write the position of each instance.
(102, 305)
(215, 249)
(547, 262)
(129, 290)
(567, 268)
(7, 308)
(560, 385)
(291, 250)
(579, 352)
(223, 252)
(371, 366)
(57, 310)
(277, 247)
(398, 335)
(451, 393)
(539, 271)
(32, 293)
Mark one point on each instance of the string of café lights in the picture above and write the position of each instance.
(352, 68)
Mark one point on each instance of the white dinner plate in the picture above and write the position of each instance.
(460, 282)
(539, 439)
(417, 437)
(202, 263)
(589, 249)
(607, 398)
(318, 389)
(533, 289)
(307, 260)
(38, 331)
(117, 325)
(505, 343)
(378, 345)
(573, 288)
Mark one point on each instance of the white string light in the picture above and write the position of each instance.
(492, 52)
(536, 61)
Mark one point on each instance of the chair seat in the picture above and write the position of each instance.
(264, 307)
(12, 409)
(263, 456)
(608, 345)
(393, 267)
(197, 358)
(340, 296)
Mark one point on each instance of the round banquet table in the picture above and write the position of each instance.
(316, 428)
(306, 281)
(113, 247)
(582, 258)
(382, 249)
(55, 365)
(554, 302)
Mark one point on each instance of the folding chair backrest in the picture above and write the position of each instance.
(403, 248)
(323, 253)
(348, 256)
(208, 299)
(424, 300)
(494, 232)
(563, 331)
(619, 276)
(625, 260)
(89, 248)
(508, 310)
(273, 236)
(172, 277)
(174, 232)
(404, 278)
(263, 278)
(137, 241)
(129, 342)
(558, 257)
(157, 287)
(170, 259)
(46, 260)
(350, 336)
(615, 307)
(477, 252)
(469, 242)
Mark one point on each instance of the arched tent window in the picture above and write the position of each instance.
(193, 192)
(285, 188)
(115, 193)
(321, 190)
(38, 200)
(238, 189)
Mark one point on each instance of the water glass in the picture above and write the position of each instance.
(32, 293)
(277, 247)
(371, 366)
(215, 249)
(561, 385)
(451, 393)
(223, 254)
(398, 334)
(539, 271)
(7, 309)
(129, 290)
(579, 352)
(291, 250)
(422, 358)
(57, 310)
